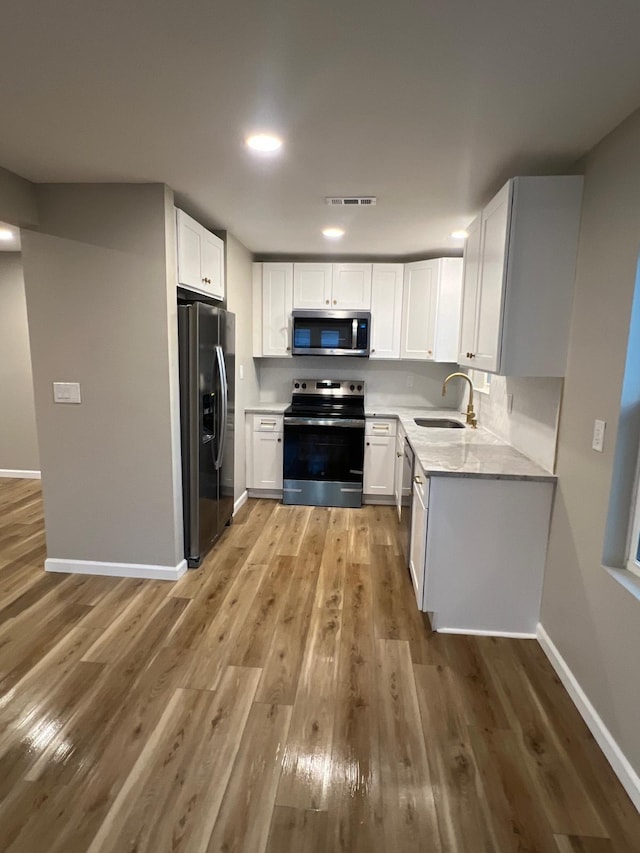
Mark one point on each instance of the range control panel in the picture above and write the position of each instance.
(329, 387)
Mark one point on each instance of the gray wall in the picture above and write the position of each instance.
(592, 619)
(18, 203)
(18, 439)
(239, 300)
(101, 302)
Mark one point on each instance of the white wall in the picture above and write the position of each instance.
(401, 383)
(239, 296)
(102, 312)
(532, 424)
(18, 438)
(591, 618)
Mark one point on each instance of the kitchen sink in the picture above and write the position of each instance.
(444, 423)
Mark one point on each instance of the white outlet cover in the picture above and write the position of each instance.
(598, 435)
(66, 392)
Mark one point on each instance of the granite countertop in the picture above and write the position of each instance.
(448, 452)
(461, 452)
(267, 408)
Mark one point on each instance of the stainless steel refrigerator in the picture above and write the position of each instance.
(207, 366)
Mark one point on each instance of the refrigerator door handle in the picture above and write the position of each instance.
(222, 429)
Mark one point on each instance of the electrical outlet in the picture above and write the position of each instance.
(598, 435)
(509, 403)
(409, 380)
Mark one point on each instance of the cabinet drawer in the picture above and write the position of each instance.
(267, 423)
(379, 426)
(421, 485)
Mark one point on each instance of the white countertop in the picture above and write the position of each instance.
(464, 452)
(267, 408)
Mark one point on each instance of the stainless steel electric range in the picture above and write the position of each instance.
(324, 443)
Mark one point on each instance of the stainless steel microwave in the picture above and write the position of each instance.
(331, 332)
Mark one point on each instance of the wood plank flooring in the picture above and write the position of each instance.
(287, 696)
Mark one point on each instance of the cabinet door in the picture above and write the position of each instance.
(351, 287)
(418, 547)
(399, 471)
(189, 234)
(212, 266)
(312, 285)
(379, 459)
(491, 281)
(419, 310)
(267, 460)
(277, 302)
(386, 310)
(470, 294)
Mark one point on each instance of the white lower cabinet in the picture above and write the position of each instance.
(399, 469)
(264, 434)
(478, 565)
(419, 516)
(379, 457)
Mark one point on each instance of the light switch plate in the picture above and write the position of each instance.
(66, 392)
(598, 435)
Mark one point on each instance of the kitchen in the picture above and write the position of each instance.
(591, 617)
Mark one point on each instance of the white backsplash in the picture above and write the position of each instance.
(532, 424)
(402, 383)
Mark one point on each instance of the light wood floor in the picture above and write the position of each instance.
(287, 696)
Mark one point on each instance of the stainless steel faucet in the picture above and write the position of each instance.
(472, 420)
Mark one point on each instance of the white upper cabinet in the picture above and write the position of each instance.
(334, 286)
(470, 273)
(272, 306)
(519, 275)
(200, 257)
(351, 287)
(386, 310)
(431, 310)
(312, 285)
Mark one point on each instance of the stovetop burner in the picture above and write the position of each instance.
(327, 397)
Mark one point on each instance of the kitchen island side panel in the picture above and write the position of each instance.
(486, 552)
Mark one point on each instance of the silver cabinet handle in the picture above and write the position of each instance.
(417, 480)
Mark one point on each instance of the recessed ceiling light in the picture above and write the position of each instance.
(265, 143)
(5, 234)
(459, 235)
(333, 233)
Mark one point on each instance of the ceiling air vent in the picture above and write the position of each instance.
(352, 201)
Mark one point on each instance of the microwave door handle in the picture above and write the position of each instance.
(354, 334)
(222, 428)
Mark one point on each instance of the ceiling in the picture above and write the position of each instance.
(428, 105)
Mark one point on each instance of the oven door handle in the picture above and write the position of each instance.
(348, 423)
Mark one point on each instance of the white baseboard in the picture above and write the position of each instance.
(241, 501)
(477, 632)
(605, 740)
(25, 475)
(116, 570)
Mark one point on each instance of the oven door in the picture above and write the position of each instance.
(323, 461)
